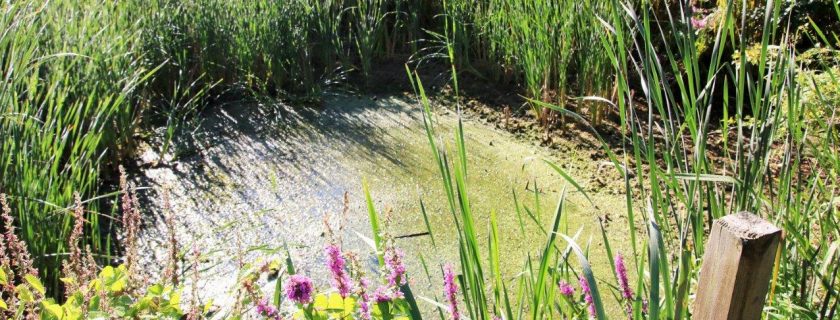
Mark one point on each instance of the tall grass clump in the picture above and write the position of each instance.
(67, 103)
(248, 45)
(545, 46)
(772, 163)
(746, 97)
(286, 48)
(703, 134)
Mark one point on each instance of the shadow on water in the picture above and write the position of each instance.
(253, 177)
(292, 138)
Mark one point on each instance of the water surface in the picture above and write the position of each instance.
(257, 177)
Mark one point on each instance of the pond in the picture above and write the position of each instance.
(258, 177)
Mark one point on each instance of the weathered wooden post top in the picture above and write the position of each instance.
(737, 267)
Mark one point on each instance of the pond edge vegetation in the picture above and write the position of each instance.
(73, 105)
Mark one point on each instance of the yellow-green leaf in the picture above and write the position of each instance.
(118, 286)
(321, 302)
(3, 305)
(107, 272)
(35, 283)
(274, 265)
(3, 279)
(207, 306)
(23, 293)
(114, 279)
(53, 308)
(336, 302)
(175, 299)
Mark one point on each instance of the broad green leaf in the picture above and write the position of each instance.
(53, 309)
(23, 293)
(35, 283)
(654, 247)
(208, 306)
(107, 272)
(412, 308)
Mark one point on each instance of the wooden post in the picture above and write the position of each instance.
(737, 267)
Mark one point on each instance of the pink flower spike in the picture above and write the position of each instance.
(451, 291)
(267, 310)
(381, 295)
(336, 263)
(621, 270)
(364, 299)
(587, 296)
(394, 264)
(624, 284)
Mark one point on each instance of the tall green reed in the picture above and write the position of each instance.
(71, 75)
(544, 45)
(673, 103)
(679, 184)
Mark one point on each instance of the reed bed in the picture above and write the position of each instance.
(545, 46)
(673, 101)
(71, 74)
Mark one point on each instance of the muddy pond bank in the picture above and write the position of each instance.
(257, 177)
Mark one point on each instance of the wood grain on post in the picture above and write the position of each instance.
(737, 267)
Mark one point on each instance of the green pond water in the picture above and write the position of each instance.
(255, 177)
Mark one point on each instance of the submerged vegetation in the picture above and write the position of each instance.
(715, 108)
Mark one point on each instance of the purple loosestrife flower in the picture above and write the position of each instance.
(566, 289)
(387, 294)
(451, 291)
(299, 289)
(587, 296)
(396, 269)
(626, 292)
(699, 23)
(382, 294)
(397, 294)
(341, 280)
(623, 283)
(267, 310)
(364, 299)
